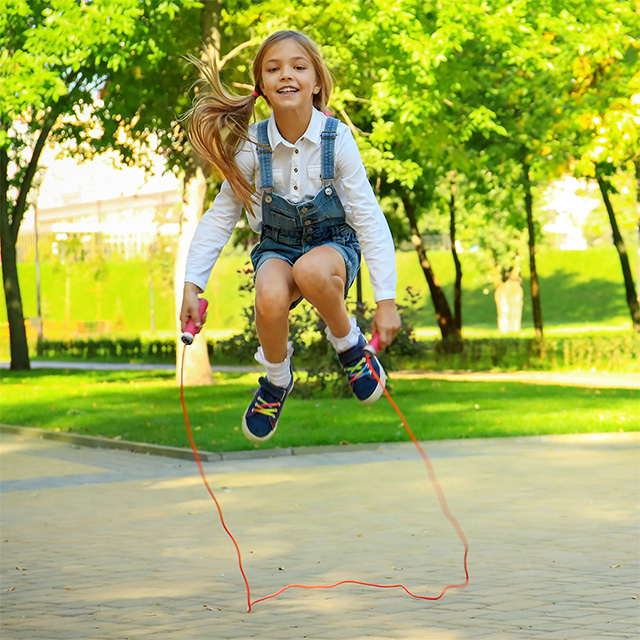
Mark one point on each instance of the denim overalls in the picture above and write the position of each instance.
(290, 230)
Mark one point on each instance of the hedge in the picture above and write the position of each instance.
(619, 352)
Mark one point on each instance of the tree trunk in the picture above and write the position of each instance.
(535, 286)
(9, 227)
(636, 162)
(197, 367)
(457, 290)
(509, 299)
(446, 322)
(629, 286)
(13, 299)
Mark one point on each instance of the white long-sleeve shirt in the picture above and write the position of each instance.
(296, 175)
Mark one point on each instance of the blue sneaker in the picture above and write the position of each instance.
(362, 381)
(260, 421)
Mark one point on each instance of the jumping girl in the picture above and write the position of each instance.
(301, 180)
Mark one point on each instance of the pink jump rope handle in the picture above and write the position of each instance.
(373, 346)
(191, 330)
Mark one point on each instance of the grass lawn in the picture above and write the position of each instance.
(578, 289)
(145, 407)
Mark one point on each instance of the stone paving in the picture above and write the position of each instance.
(99, 544)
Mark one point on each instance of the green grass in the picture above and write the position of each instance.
(145, 407)
(578, 290)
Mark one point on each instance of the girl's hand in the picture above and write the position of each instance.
(386, 321)
(191, 306)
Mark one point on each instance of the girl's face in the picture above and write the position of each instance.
(289, 79)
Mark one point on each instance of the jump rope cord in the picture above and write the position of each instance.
(432, 476)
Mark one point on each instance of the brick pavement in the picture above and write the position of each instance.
(100, 544)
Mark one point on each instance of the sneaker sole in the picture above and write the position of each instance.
(252, 437)
(379, 390)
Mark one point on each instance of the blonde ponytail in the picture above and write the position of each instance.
(217, 123)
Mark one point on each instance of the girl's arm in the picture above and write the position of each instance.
(374, 235)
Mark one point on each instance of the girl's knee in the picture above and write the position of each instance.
(272, 301)
(315, 276)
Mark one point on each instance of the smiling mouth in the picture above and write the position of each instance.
(287, 91)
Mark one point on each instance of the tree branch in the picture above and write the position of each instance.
(25, 187)
(242, 85)
(350, 124)
(235, 51)
(4, 184)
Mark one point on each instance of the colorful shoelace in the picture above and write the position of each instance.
(358, 370)
(267, 408)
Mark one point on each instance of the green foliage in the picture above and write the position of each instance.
(110, 350)
(430, 88)
(608, 352)
(61, 64)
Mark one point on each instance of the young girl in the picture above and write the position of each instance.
(300, 177)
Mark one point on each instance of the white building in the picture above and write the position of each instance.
(124, 207)
(571, 209)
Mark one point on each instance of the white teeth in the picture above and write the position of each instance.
(287, 90)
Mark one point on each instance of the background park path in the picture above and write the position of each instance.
(99, 544)
(600, 379)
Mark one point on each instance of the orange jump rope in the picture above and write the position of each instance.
(370, 351)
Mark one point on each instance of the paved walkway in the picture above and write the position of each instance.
(100, 544)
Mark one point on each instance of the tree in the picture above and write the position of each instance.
(428, 86)
(606, 124)
(59, 55)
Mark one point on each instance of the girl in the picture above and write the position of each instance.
(301, 180)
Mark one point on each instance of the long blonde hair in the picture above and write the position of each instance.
(218, 121)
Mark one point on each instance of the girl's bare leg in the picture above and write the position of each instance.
(320, 275)
(275, 290)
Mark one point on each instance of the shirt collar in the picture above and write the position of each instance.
(312, 133)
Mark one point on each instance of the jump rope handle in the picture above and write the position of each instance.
(191, 330)
(374, 344)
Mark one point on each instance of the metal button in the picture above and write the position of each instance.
(297, 150)
(307, 223)
(268, 199)
(304, 210)
(295, 169)
(295, 186)
(328, 191)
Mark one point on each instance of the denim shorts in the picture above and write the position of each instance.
(342, 239)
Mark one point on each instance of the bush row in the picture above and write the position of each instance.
(619, 352)
(605, 352)
(109, 350)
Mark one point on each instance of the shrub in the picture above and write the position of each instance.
(105, 348)
(600, 352)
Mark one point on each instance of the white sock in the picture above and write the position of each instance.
(350, 340)
(278, 373)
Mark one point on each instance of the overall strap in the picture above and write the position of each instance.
(328, 140)
(264, 156)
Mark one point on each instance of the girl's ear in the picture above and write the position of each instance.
(316, 90)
